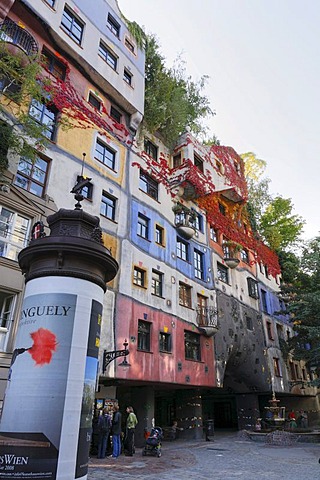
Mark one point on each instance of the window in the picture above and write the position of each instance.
(7, 306)
(143, 226)
(223, 273)
(280, 332)
(148, 185)
(245, 256)
(50, 2)
(222, 209)
(192, 346)
(236, 166)
(264, 301)
(108, 206)
(129, 44)
(10, 87)
(115, 114)
(113, 25)
(219, 166)
(185, 295)
(108, 56)
(95, 101)
(202, 310)
(87, 190)
(44, 115)
(157, 283)
(7, 302)
(198, 162)
(198, 264)
(159, 235)
(266, 271)
(253, 288)
(53, 64)
(139, 277)
(292, 371)
(165, 342)
(32, 176)
(182, 250)
(226, 248)
(276, 367)
(249, 323)
(72, 26)
(176, 162)
(151, 149)
(105, 154)
(198, 221)
(270, 331)
(304, 374)
(213, 234)
(127, 76)
(14, 231)
(144, 334)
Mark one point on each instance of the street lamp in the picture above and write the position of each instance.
(108, 357)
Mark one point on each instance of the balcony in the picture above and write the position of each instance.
(17, 38)
(190, 180)
(207, 319)
(184, 221)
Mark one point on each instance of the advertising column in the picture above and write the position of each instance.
(45, 429)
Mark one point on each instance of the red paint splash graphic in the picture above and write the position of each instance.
(44, 344)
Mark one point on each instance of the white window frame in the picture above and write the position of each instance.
(9, 233)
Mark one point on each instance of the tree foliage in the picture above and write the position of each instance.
(19, 83)
(271, 217)
(173, 101)
(304, 306)
(279, 226)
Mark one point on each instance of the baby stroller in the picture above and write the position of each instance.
(153, 442)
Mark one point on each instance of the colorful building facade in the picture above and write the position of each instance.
(196, 296)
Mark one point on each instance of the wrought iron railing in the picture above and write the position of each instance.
(11, 32)
(207, 317)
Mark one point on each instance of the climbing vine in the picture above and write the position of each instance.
(233, 220)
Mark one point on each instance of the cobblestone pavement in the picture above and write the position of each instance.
(228, 457)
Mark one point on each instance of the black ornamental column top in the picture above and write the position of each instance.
(74, 248)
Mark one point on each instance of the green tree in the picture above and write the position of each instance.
(173, 101)
(279, 226)
(19, 82)
(304, 305)
(258, 188)
(270, 217)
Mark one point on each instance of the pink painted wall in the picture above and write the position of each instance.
(5, 6)
(156, 366)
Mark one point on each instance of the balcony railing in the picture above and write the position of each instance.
(207, 319)
(12, 33)
(185, 222)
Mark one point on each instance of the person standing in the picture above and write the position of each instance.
(104, 428)
(130, 429)
(116, 432)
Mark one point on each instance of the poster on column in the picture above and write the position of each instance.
(88, 398)
(32, 414)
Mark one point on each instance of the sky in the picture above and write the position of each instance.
(263, 62)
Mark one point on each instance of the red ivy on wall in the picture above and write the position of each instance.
(76, 108)
(234, 225)
(67, 100)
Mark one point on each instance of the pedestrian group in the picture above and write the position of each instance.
(109, 426)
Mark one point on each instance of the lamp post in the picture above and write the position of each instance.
(108, 357)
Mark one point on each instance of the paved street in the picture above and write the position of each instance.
(228, 457)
